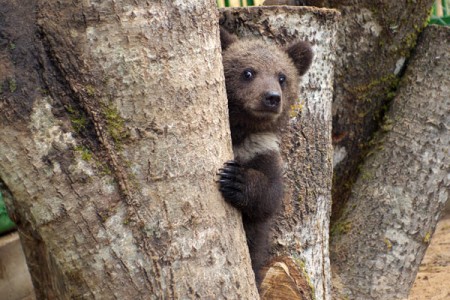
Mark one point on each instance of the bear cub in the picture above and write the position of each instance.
(262, 85)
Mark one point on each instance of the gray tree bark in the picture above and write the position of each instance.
(300, 235)
(374, 42)
(113, 124)
(395, 204)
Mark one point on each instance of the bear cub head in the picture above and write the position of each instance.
(261, 80)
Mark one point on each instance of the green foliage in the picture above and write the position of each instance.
(115, 125)
(228, 3)
(85, 153)
(5, 223)
(90, 90)
(388, 244)
(12, 85)
(78, 120)
(440, 14)
(296, 109)
(427, 238)
(301, 264)
(340, 228)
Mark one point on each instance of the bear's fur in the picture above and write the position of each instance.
(262, 85)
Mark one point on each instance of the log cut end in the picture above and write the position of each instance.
(284, 279)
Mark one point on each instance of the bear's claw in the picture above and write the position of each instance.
(232, 183)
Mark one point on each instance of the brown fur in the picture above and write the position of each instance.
(258, 107)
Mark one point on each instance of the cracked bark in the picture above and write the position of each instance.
(374, 42)
(394, 207)
(114, 122)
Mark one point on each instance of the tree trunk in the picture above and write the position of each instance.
(113, 124)
(301, 231)
(374, 42)
(380, 240)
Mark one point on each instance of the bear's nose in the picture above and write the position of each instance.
(272, 99)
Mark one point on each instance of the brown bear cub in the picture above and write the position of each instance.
(262, 85)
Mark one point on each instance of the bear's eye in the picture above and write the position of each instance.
(282, 79)
(248, 74)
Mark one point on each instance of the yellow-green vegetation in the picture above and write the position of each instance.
(103, 168)
(387, 124)
(77, 119)
(12, 85)
(427, 238)
(85, 153)
(388, 83)
(115, 125)
(295, 109)
(301, 264)
(409, 42)
(90, 90)
(103, 216)
(362, 114)
(406, 44)
(341, 227)
(388, 244)
(366, 175)
(376, 143)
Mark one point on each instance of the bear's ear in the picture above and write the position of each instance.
(301, 53)
(226, 38)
